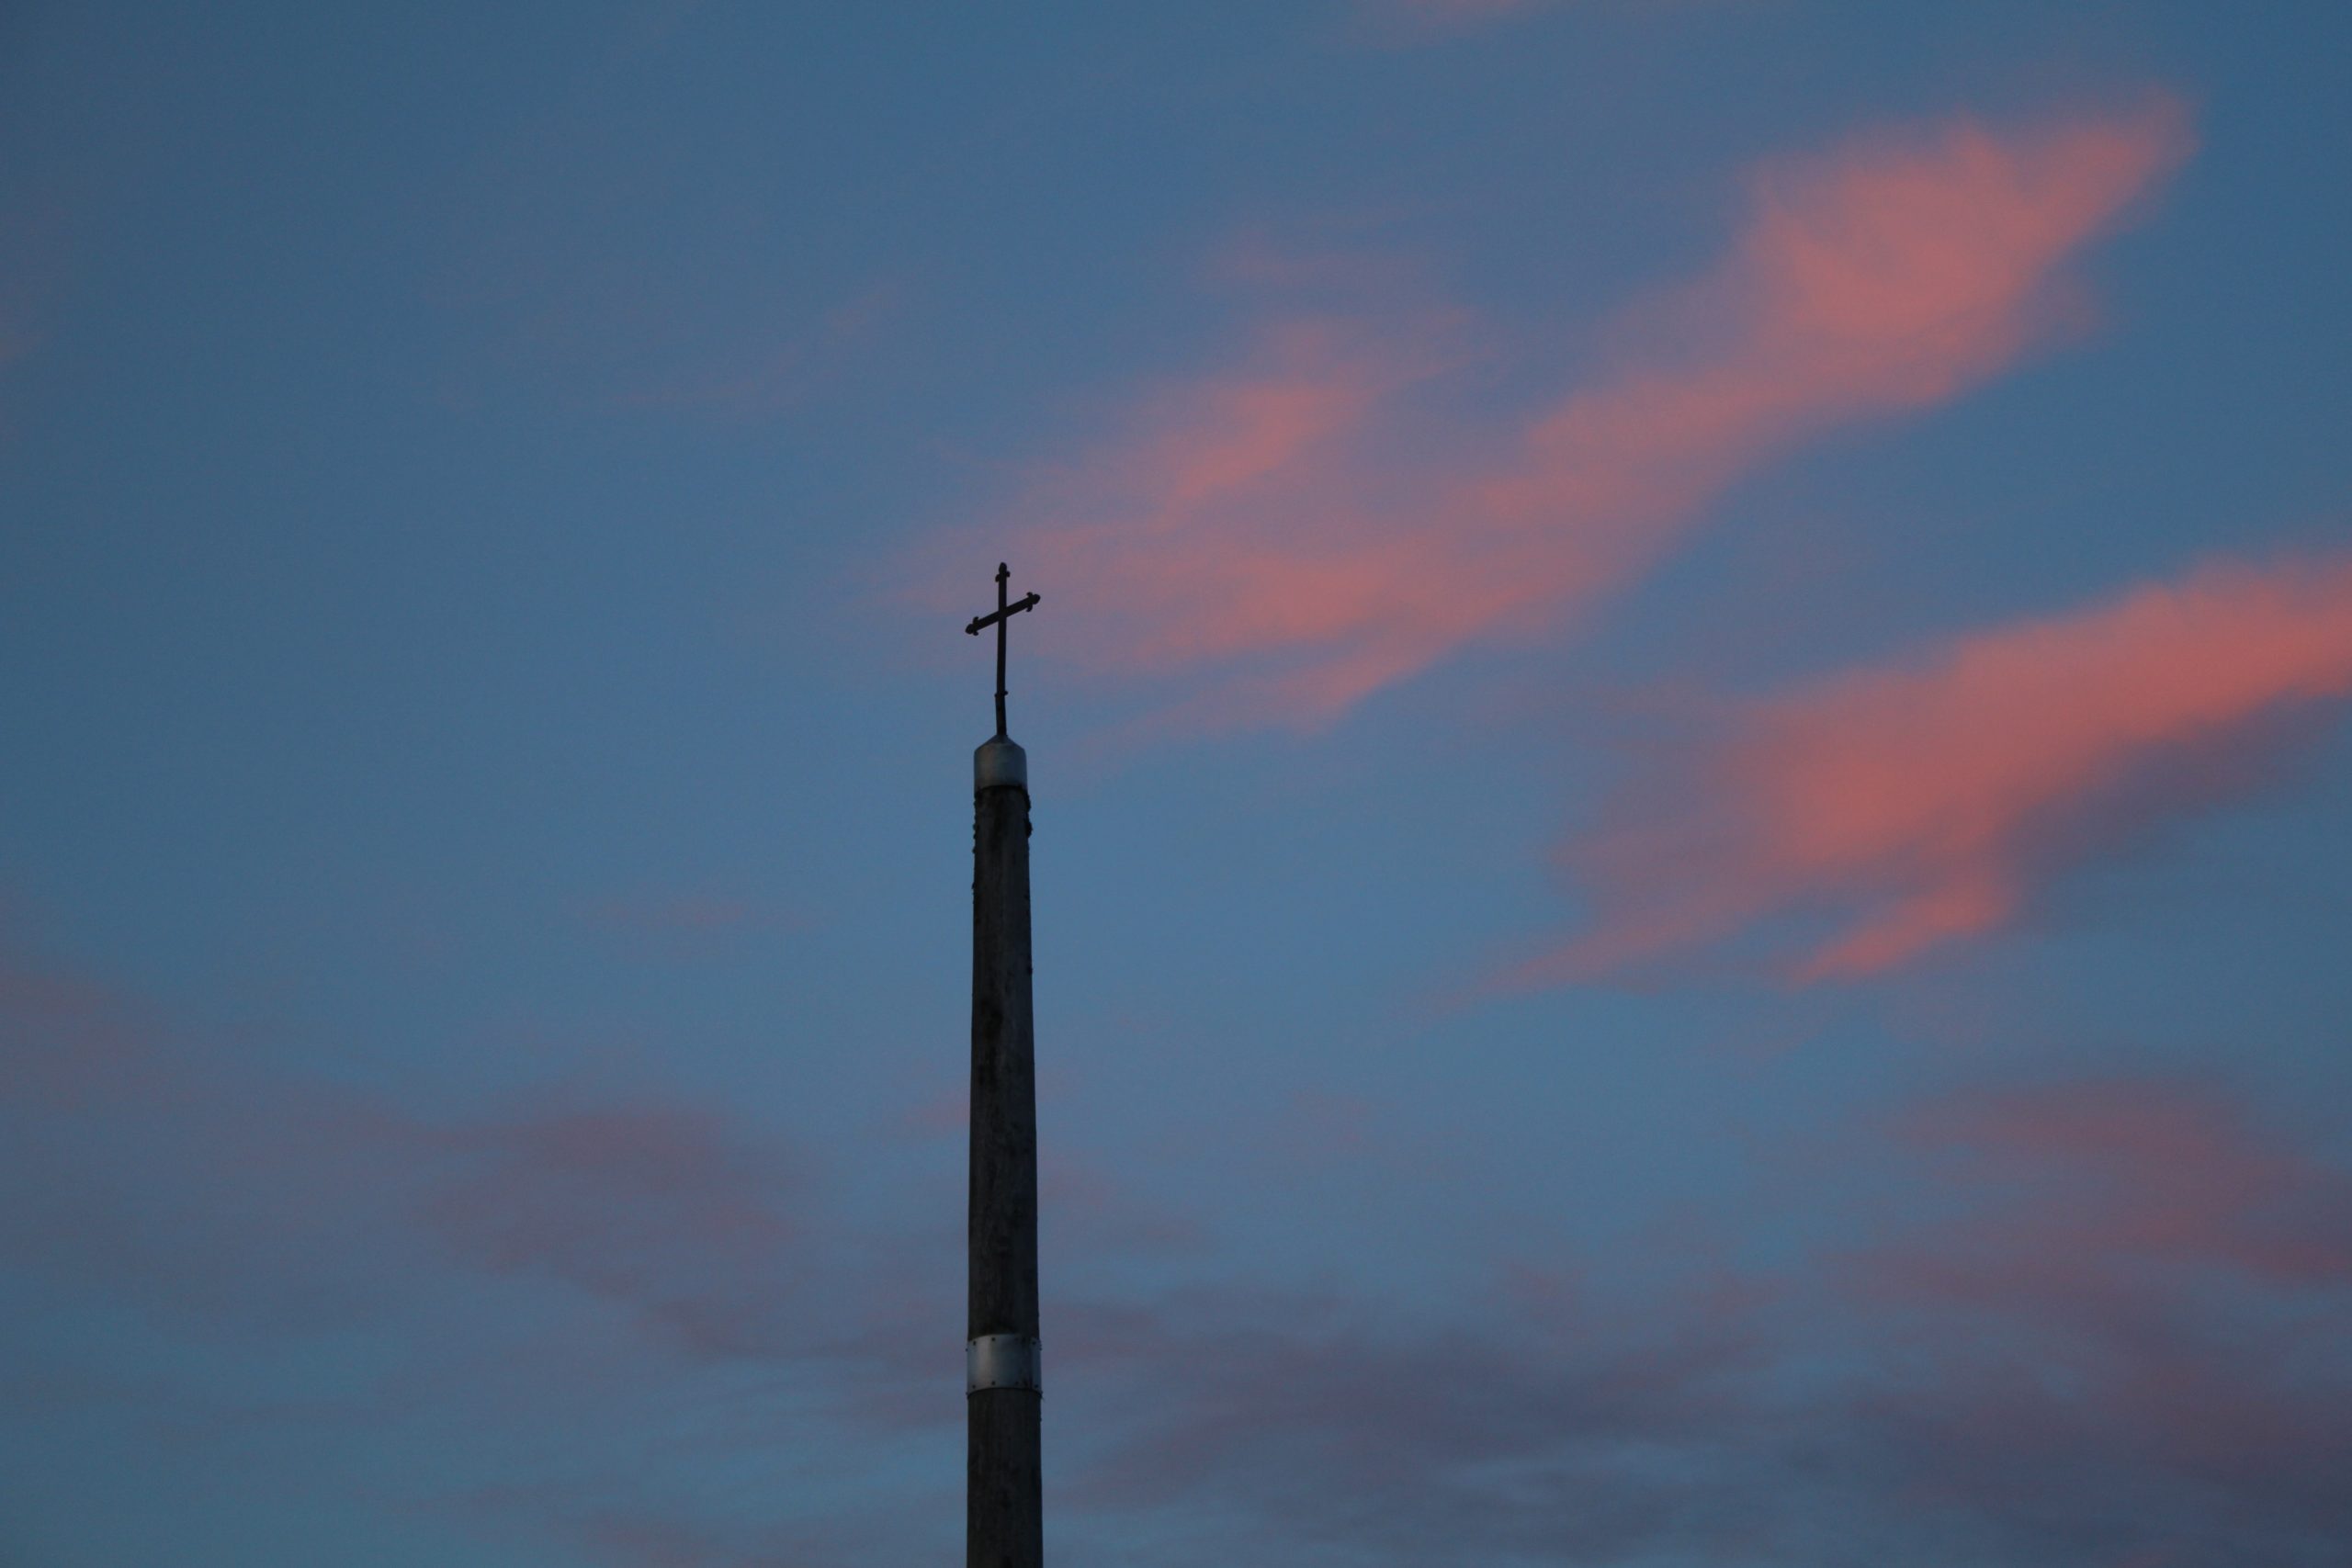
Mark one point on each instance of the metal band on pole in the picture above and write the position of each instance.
(1002, 1361)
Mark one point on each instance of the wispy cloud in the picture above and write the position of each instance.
(2112, 1330)
(2138, 1313)
(1283, 530)
(1289, 1415)
(2124, 1175)
(263, 1202)
(667, 1210)
(1929, 799)
(2046, 1353)
(497, 1278)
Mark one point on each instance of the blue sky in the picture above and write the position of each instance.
(1687, 732)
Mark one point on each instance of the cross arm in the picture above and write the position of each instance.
(995, 615)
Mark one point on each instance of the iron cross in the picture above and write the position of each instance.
(1004, 612)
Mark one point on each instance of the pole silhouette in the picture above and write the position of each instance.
(1003, 1497)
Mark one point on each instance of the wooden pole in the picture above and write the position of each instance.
(1004, 1505)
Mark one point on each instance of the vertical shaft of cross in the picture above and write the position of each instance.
(1004, 1504)
(1003, 618)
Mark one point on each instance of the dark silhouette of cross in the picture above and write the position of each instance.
(1004, 612)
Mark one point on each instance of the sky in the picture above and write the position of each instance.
(1687, 731)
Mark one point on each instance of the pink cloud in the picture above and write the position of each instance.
(2111, 1334)
(2090, 1317)
(72, 1040)
(1926, 800)
(1291, 1410)
(2119, 1176)
(138, 1161)
(1282, 528)
(665, 1210)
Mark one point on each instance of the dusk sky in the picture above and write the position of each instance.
(1690, 733)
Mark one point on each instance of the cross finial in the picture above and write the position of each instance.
(1004, 612)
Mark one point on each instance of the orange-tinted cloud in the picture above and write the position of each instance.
(1282, 528)
(1925, 801)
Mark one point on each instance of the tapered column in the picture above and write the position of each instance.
(1004, 1507)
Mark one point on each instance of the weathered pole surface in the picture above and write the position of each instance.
(1004, 1505)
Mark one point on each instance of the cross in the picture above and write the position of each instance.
(1004, 612)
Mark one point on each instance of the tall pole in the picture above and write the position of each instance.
(1004, 1504)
